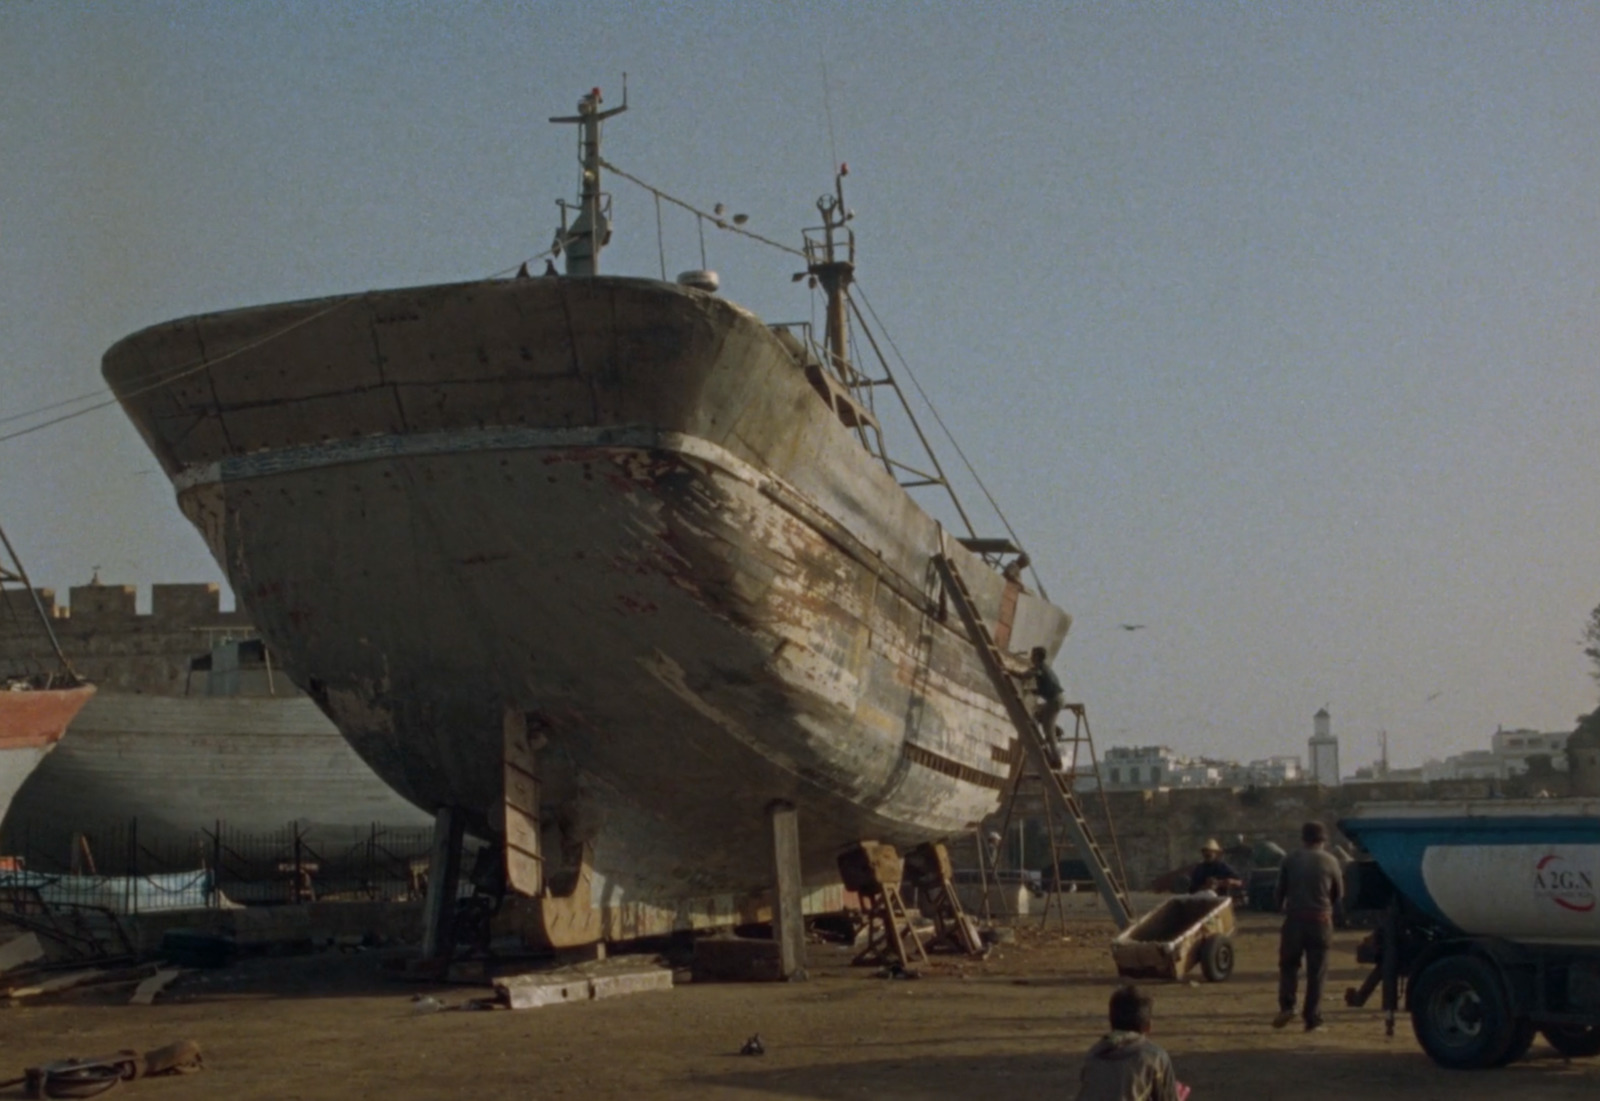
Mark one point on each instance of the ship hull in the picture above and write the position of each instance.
(618, 507)
(176, 765)
(32, 721)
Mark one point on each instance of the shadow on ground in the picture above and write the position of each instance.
(1253, 1074)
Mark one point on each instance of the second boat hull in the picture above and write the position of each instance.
(32, 721)
(173, 766)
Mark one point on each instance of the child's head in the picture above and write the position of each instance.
(1130, 1009)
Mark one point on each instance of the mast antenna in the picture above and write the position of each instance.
(833, 264)
(591, 229)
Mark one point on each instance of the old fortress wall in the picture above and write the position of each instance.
(110, 642)
(1159, 831)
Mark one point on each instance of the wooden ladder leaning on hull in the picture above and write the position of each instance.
(1034, 743)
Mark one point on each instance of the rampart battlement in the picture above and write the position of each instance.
(112, 607)
(114, 645)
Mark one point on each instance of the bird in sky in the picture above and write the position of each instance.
(1131, 626)
(1433, 697)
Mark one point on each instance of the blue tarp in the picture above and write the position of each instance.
(141, 894)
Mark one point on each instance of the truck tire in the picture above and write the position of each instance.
(1216, 958)
(1521, 1041)
(1461, 1014)
(1573, 1041)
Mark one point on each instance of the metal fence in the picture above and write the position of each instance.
(111, 866)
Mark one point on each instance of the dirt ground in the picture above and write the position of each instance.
(332, 1026)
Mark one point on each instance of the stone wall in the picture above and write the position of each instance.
(1160, 831)
(109, 642)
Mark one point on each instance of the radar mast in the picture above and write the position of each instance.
(591, 229)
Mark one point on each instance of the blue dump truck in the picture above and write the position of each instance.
(1485, 923)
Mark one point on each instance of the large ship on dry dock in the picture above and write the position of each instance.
(605, 565)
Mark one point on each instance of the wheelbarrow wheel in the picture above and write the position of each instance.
(1216, 958)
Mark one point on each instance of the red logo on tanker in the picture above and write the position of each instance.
(1568, 888)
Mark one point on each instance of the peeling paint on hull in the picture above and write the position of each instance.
(617, 505)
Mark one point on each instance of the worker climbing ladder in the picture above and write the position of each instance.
(1073, 751)
(1036, 744)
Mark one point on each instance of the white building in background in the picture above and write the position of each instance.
(1146, 767)
(1515, 747)
(1475, 764)
(1267, 772)
(1158, 768)
(1509, 754)
(1324, 750)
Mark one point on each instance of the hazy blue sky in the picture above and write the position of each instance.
(1271, 327)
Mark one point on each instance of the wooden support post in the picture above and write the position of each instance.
(521, 806)
(444, 875)
(788, 923)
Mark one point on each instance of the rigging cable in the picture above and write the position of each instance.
(704, 215)
(145, 384)
(52, 405)
(1005, 523)
(155, 382)
(720, 223)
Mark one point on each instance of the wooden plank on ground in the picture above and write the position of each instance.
(71, 980)
(20, 951)
(155, 984)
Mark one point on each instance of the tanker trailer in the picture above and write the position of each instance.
(1485, 914)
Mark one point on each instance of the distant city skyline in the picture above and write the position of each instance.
(1271, 328)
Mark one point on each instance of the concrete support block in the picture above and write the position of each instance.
(549, 988)
(571, 984)
(631, 981)
(788, 921)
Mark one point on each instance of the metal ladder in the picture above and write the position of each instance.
(1034, 743)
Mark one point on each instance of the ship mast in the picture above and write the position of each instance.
(591, 230)
(835, 272)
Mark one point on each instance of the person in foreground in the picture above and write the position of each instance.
(1126, 1065)
(1309, 883)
